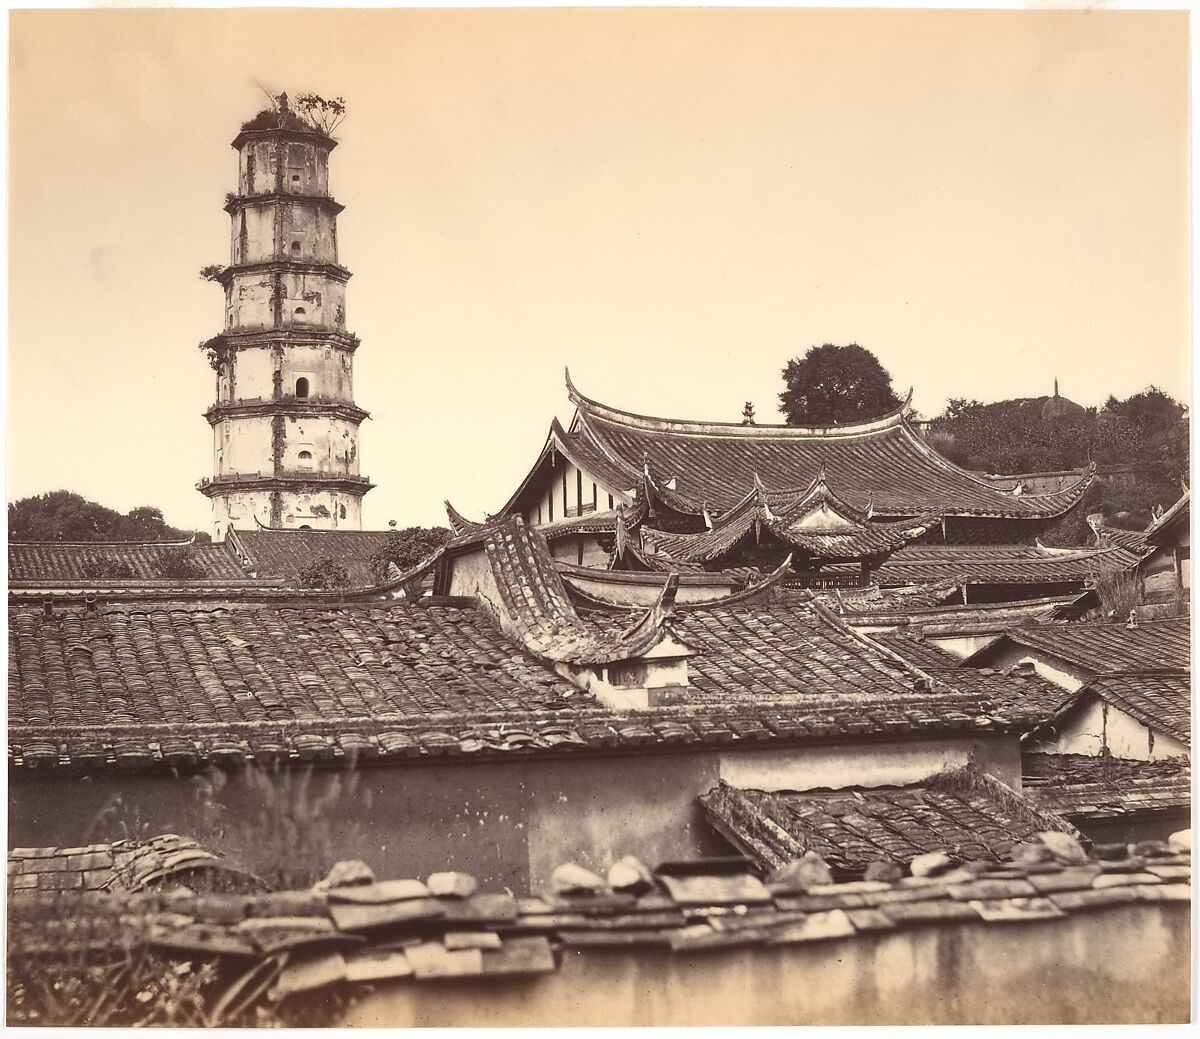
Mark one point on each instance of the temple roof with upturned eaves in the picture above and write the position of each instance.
(699, 465)
(814, 521)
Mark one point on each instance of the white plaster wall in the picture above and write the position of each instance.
(471, 575)
(253, 374)
(553, 491)
(323, 300)
(329, 370)
(244, 445)
(963, 646)
(1102, 724)
(258, 245)
(250, 302)
(869, 764)
(332, 441)
(240, 508)
(313, 229)
(1060, 673)
(307, 159)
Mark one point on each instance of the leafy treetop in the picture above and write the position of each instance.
(836, 384)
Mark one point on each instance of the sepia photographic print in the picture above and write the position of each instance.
(723, 559)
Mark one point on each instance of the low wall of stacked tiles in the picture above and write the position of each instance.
(954, 974)
(510, 823)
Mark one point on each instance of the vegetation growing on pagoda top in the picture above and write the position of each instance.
(307, 113)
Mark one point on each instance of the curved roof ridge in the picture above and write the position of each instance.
(737, 429)
(117, 544)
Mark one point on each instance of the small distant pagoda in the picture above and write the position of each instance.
(285, 425)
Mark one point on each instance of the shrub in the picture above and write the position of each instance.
(408, 547)
(298, 825)
(178, 564)
(107, 566)
(1119, 594)
(325, 572)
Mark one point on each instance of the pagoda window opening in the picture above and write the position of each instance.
(595, 497)
(550, 501)
(302, 387)
(304, 526)
(300, 312)
(295, 247)
(565, 508)
(342, 511)
(579, 544)
(610, 501)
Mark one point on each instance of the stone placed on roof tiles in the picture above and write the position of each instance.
(715, 890)
(354, 917)
(1015, 910)
(378, 893)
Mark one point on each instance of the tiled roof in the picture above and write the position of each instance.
(776, 650)
(1087, 787)
(1001, 564)
(179, 685)
(813, 521)
(932, 617)
(1133, 540)
(1169, 523)
(534, 606)
(964, 818)
(1161, 702)
(1102, 648)
(884, 461)
(1083, 787)
(134, 865)
(398, 932)
(84, 561)
(1016, 689)
(284, 553)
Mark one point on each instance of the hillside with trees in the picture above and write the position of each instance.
(1148, 430)
(66, 516)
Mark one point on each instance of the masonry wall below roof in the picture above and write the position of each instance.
(510, 823)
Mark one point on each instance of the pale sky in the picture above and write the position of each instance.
(672, 202)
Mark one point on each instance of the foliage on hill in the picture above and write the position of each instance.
(66, 516)
(1011, 436)
(1148, 429)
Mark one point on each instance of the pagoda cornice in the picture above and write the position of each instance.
(290, 133)
(284, 480)
(235, 203)
(300, 407)
(265, 337)
(331, 270)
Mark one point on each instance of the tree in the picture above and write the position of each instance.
(66, 516)
(408, 547)
(836, 384)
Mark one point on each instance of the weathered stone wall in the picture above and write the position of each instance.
(1126, 964)
(511, 823)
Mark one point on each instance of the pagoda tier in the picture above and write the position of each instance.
(694, 468)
